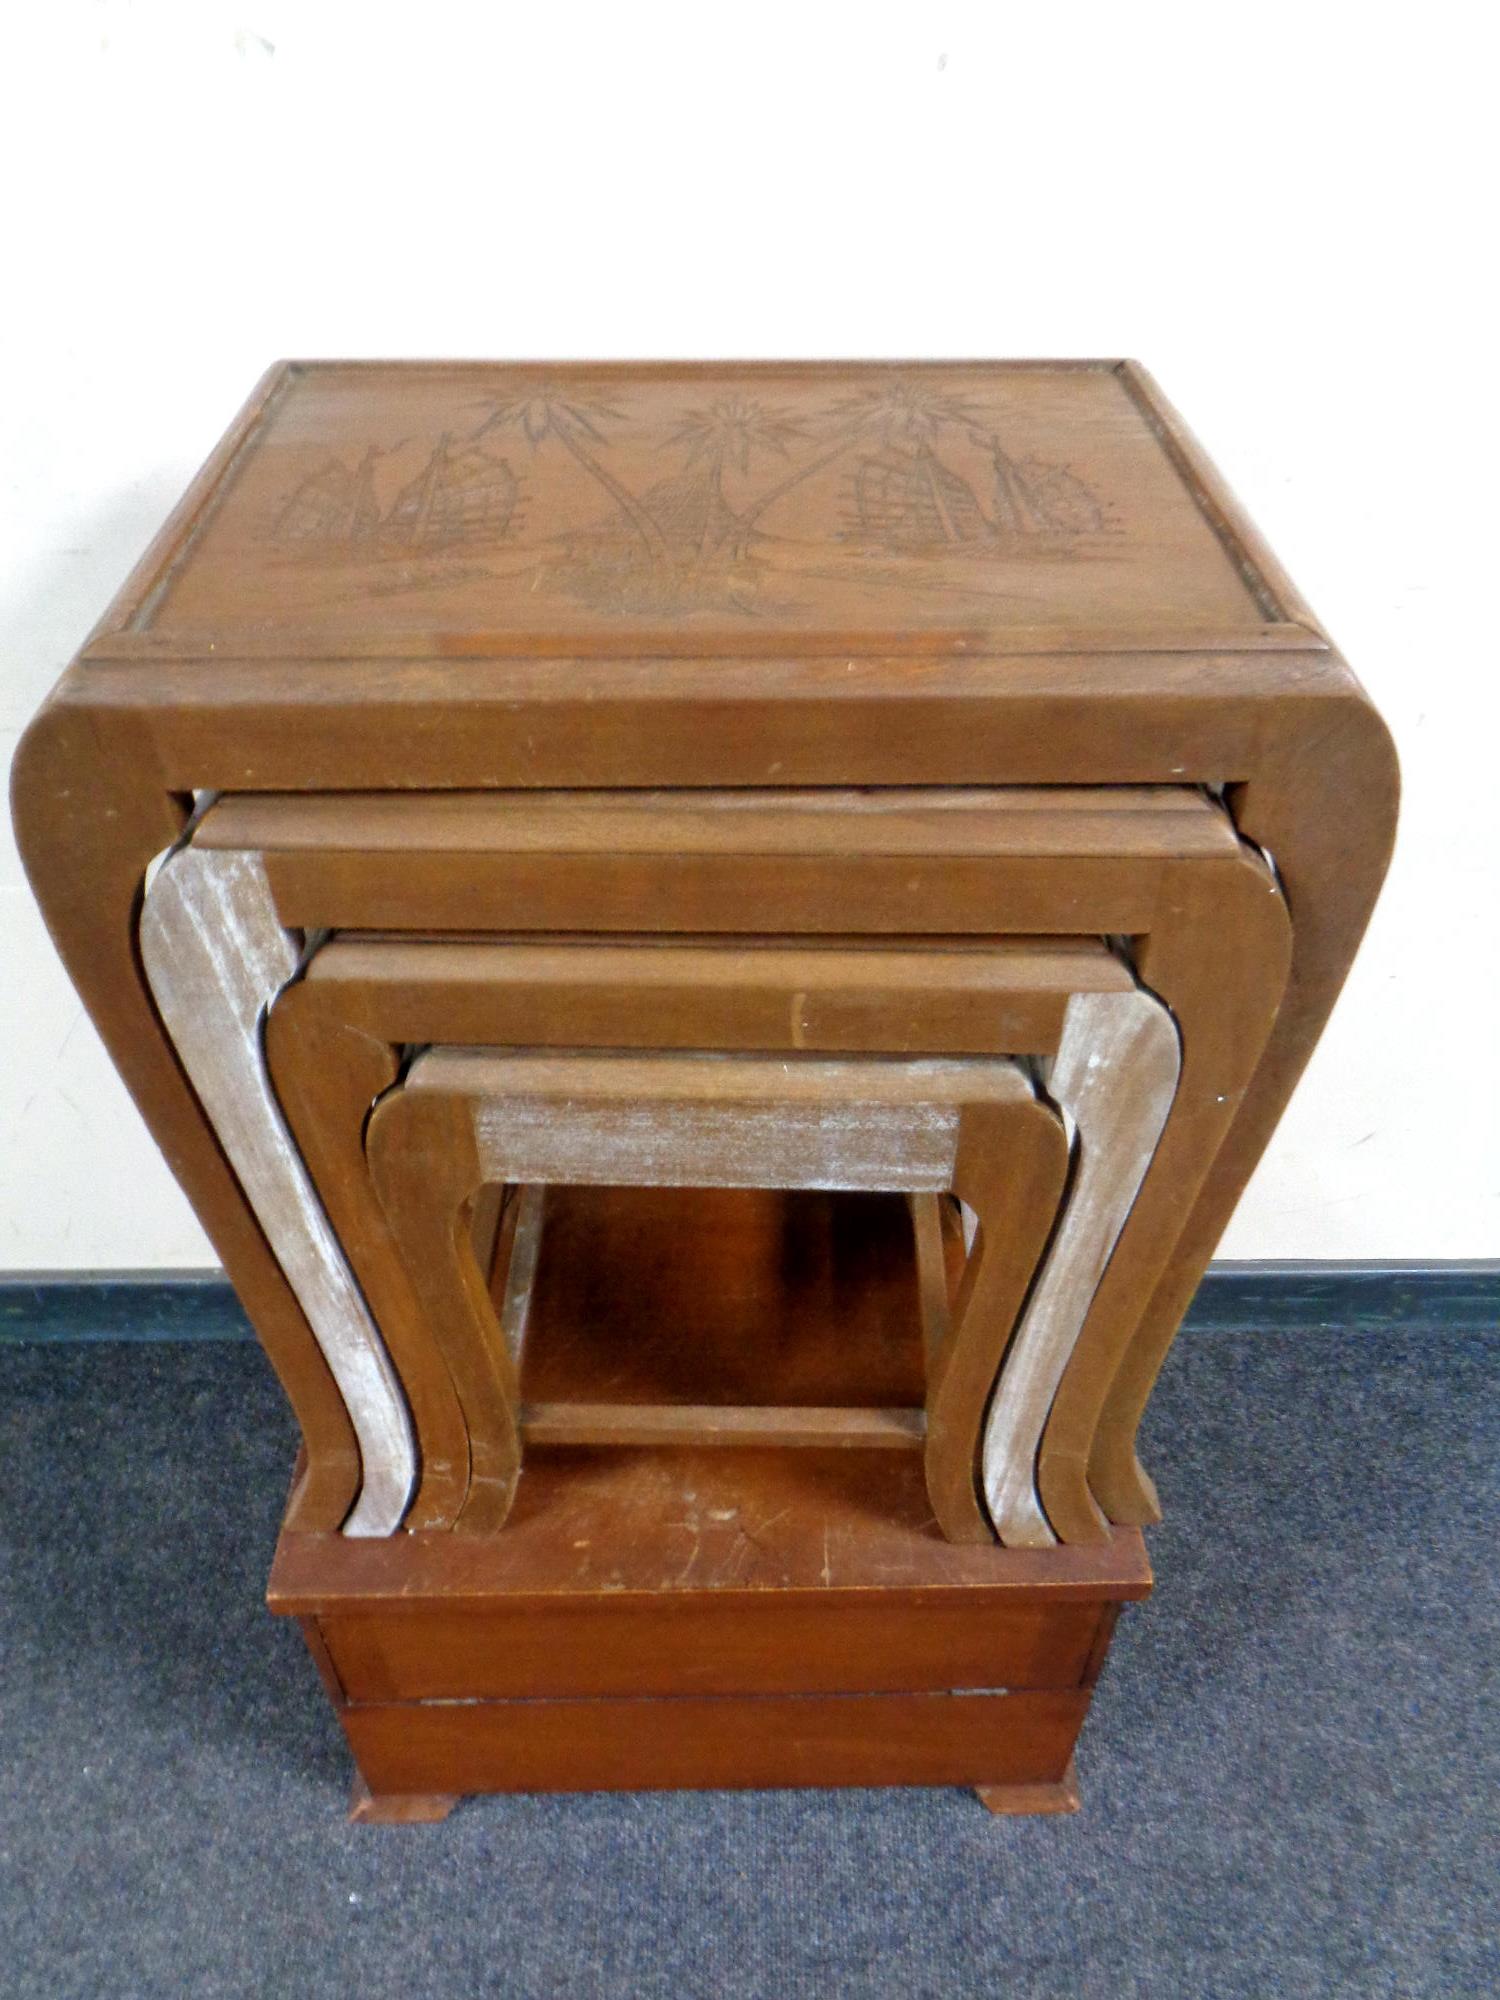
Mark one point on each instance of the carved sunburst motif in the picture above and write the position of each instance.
(733, 430)
(904, 411)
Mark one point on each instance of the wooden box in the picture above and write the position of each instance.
(701, 1617)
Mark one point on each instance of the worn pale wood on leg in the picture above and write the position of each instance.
(1218, 959)
(215, 955)
(606, 992)
(425, 1165)
(1317, 792)
(327, 1072)
(1014, 1180)
(1076, 856)
(1095, 1513)
(1115, 1074)
(1330, 865)
(521, 1265)
(1102, 857)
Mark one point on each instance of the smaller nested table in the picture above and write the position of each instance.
(975, 1127)
(335, 1037)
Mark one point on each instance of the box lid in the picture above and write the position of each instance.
(753, 510)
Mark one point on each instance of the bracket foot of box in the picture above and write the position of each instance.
(367, 1808)
(1061, 1797)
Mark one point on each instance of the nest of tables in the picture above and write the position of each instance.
(714, 947)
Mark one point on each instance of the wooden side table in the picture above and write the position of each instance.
(976, 1126)
(335, 1040)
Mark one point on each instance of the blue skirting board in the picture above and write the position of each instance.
(1233, 1298)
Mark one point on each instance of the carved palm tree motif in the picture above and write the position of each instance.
(905, 497)
(574, 422)
(900, 422)
(731, 432)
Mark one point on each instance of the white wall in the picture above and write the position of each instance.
(1286, 211)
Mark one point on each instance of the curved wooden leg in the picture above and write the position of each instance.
(327, 1073)
(1217, 958)
(1114, 1075)
(425, 1168)
(1011, 1168)
(1325, 812)
(89, 821)
(215, 956)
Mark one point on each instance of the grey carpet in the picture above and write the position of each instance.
(1289, 1773)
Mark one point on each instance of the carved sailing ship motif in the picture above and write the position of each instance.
(911, 500)
(463, 494)
(1034, 499)
(692, 513)
(334, 504)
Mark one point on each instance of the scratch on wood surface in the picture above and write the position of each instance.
(694, 1527)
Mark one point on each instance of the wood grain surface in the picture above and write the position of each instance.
(1218, 959)
(679, 1524)
(722, 1642)
(719, 1741)
(989, 998)
(981, 864)
(326, 1075)
(630, 1582)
